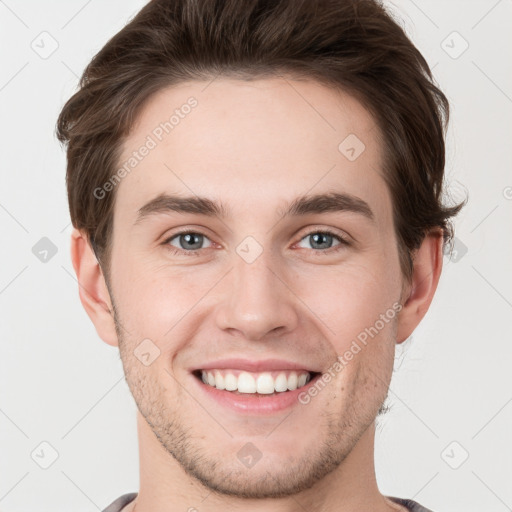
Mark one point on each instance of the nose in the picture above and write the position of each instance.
(257, 300)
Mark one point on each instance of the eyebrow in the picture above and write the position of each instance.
(303, 205)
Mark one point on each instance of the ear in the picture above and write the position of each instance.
(93, 289)
(427, 266)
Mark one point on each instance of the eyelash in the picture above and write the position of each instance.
(175, 251)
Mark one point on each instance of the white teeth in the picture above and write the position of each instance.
(230, 382)
(246, 383)
(219, 381)
(292, 381)
(281, 382)
(263, 383)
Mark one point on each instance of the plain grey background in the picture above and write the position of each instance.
(67, 421)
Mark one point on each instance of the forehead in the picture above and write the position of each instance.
(250, 143)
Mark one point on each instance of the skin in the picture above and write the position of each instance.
(256, 146)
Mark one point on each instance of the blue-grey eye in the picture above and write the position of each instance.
(189, 241)
(322, 239)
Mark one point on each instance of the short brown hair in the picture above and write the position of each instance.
(352, 45)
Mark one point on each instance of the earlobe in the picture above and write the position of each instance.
(93, 290)
(427, 266)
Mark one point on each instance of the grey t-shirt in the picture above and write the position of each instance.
(121, 502)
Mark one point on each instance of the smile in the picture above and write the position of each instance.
(264, 383)
(245, 398)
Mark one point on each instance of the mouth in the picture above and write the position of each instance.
(265, 383)
(255, 387)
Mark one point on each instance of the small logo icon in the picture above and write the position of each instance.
(44, 455)
(351, 147)
(146, 352)
(458, 251)
(45, 45)
(455, 455)
(249, 249)
(454, 45)
(249, 455)
(44, 250)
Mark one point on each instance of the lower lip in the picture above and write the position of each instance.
(253, 403)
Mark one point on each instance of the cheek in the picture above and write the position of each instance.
(153, 300)
(356, 302)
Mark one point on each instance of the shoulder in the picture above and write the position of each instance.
(121, 502)
(411, 505)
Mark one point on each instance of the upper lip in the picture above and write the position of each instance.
(255, 366)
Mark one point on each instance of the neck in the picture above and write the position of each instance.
(164, 485)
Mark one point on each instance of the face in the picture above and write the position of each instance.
(255, 281)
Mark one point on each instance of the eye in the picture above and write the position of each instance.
(187, 242)
(322, 240)
(190, 243)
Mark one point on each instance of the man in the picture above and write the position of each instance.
(255, 190)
